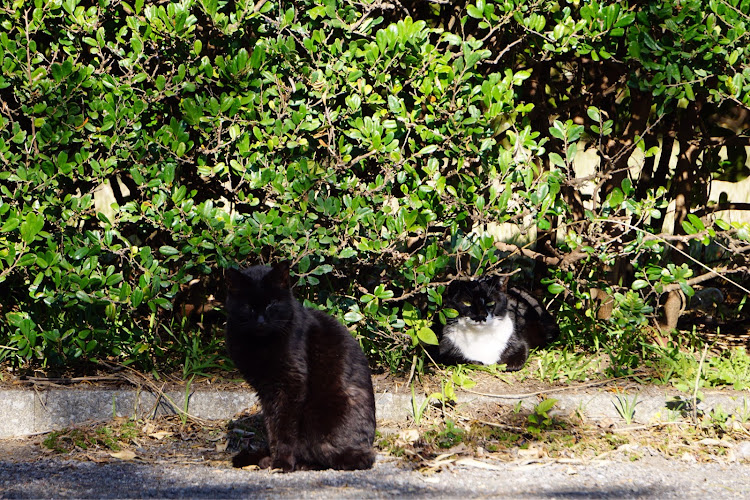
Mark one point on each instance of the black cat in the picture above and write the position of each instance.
(312, 379)
(492, 326)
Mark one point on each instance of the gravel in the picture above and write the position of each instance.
(650, 477)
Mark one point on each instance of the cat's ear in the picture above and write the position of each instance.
(280, 274)
(496, 282)
(233, 279)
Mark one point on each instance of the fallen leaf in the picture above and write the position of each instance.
(409, 435)
(530, 452)
(159, 435)
(715, 442)
(124, 455)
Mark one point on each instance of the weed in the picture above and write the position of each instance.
(419, 408)
(564, 365)
(718, 419)
(186, 403)
(198, 356)
(496, 370)
(448, 437)
(731, 368)
(540, 420)
(743, 415)
(623, 358)
(110, 436)
(626, 407)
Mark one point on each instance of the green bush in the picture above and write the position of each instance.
(373, 148)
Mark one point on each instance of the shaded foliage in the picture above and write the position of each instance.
(379, 145)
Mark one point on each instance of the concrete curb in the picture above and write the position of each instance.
(31, 411)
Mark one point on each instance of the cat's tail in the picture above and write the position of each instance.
(353, 459)
(547, 330)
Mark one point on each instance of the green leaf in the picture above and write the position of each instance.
(347, 253)
(80, 253)
(168, 250)
(450, 313)
(688, 227)
(616, 197)
(409, 313)
(83, 297)
(137, 297)
(428, 150)
(696, 222)
(557, 160)
(625, 20)
(555, 288)
(427, 336)
(544, 406)
(557, 131)
(10, 224)
(724, 226)
(639, 284)
(474, 12)
(56, 70)
(31, 227)
(353, 317)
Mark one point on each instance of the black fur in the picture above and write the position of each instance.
(312, 379)
(532, 325)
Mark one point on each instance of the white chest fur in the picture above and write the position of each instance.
(481, 341)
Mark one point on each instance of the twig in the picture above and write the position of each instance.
(647, 427)
(546, 391)
(73, 380)
(259, 6)
(697, 382)
(696, 280)
(494, 424)
(138, 379)
(673, 247)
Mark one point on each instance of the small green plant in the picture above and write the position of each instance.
(625, 407)
(743, 415)
(184, 414)
(418, 409)
(540, 420)
(718, 419)
(110, 437)
(564, 365)
(680, 368)
(448, 437)
(457, 377)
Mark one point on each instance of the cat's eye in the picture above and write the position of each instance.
(466, 303)
(491, 304)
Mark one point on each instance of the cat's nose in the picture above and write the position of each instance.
(261, 319)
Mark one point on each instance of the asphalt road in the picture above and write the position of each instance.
(650, 477)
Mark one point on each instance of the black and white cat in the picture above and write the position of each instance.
(312, 378)
(492, 327)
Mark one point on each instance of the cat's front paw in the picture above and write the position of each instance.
(284, 459)
(286, 464)
(247, 457)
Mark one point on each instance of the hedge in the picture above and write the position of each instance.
(372, 145)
